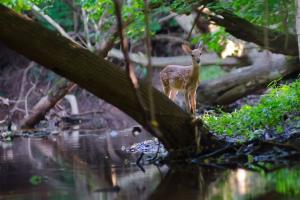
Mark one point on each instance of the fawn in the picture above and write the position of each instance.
(176, 78)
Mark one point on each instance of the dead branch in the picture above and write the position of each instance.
(170, 38)
(85, 21)
(38, 11)
(167, 18)
(33, 86)
(22, 87)
(149, 64)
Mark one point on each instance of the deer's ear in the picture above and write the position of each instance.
(186, 48)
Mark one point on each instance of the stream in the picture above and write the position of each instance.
(92, 165)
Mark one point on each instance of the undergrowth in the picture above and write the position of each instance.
(251, 121)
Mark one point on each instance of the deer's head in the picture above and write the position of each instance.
(195, 53)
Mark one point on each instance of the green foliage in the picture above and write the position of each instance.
(250, 121)
(276, 14)
(20, 5)
(286, 181)
(214, 41)
(60, 13)
(211, 72)
(132, 10)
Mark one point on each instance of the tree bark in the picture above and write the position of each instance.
(266, 67)
(284, 43)
(98, 76)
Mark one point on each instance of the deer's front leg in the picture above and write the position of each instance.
(193, 101)
(187, 100)
(173, 94)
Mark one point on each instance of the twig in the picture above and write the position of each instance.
(131, 74)
(38, 11)
(85, 21)
(166, 18)
(194, 24)
(24, 77)
(215, 152)
(124, 46)
(26, 98)
(149, 65)
(129, 67)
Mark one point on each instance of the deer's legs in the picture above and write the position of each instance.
(173, 94)
(193, 101)
(187, 100)
(167, 90)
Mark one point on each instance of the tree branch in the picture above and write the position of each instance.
(247, 31)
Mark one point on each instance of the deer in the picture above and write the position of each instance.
(176, 78)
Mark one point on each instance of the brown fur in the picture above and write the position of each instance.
(176, 78)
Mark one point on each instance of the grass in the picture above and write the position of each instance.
(251, 121)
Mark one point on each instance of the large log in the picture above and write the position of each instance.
(98, 76)
(266, 67)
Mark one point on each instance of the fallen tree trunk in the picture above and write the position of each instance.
(101, 78)
(206, 59)
(240, 82)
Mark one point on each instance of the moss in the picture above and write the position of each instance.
(250, 121)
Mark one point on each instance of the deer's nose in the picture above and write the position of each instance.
(197, 60)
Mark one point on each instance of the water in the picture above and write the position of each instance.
(91, 165)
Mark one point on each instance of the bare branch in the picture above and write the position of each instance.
(130, 71)
(170, 38)
(26, 98)
(22, 87)
(167, 18)
(38, 11)
(149, 65)
(85, 21)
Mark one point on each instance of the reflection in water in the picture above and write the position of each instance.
(92, 166)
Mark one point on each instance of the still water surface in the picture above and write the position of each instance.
(92, 165)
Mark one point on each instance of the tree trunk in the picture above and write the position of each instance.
(98, 76)
(240, 82)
